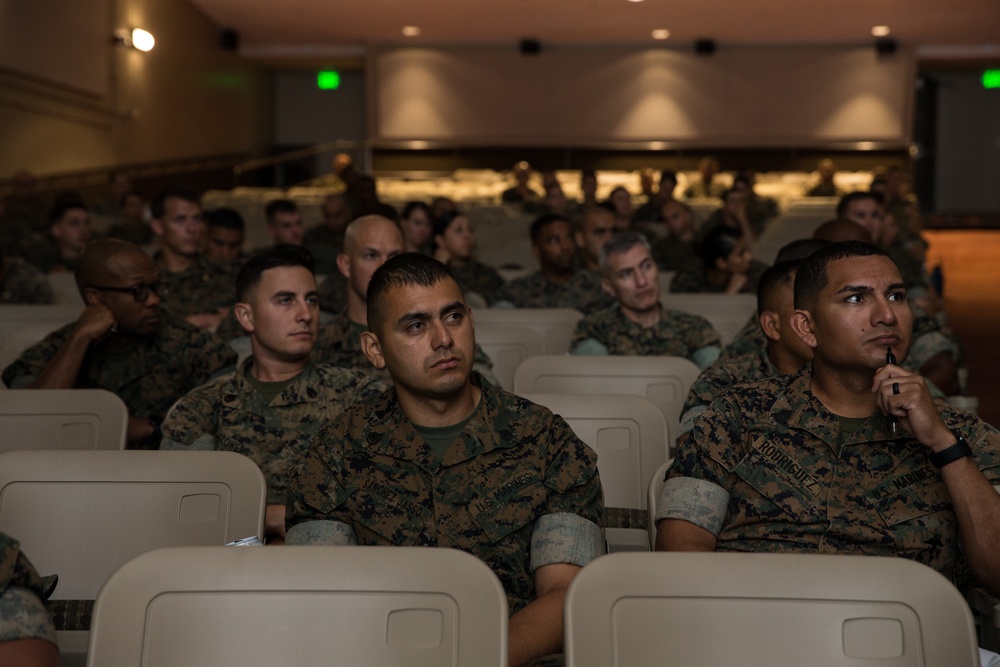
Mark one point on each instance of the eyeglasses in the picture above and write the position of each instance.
(139, 292)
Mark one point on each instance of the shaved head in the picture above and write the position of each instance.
(357, 225)
(842, 229)
(105, 261)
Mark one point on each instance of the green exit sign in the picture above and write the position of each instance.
(328, 80)
(991, 78)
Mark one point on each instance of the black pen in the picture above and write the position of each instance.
(890, 358)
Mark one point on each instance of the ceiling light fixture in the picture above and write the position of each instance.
(411, 30)
(137, 38)
(635, 0)
(661, 33)
(880, 31)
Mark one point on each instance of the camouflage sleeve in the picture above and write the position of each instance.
(571, 474)
(699, 332)
(693, 500)
(926, 346)
(191, 422)
(685, 281)
(590, 347)
(23, 616)
(982, 437)
(31, 364)
(704, 357)
(321, 533)
(706, 387)
(315, 492)
(564, 538)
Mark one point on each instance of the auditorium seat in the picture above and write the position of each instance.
(630, 438)
(726, 312)
(82, 514)
(507, 347)
(23, 324)
(765, 610)
(554, 325)
(64, 288)
(663, 380)
(302, 606)
(62, 419)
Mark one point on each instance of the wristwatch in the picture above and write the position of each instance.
(957, 451)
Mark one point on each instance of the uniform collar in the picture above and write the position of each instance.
(239, 388)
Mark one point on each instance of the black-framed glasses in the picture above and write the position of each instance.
(139, 292)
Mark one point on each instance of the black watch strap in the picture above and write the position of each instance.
(957, 451)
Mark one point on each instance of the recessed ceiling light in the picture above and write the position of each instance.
(411, 30)
(661, 33)
(880, 31)
(635, 0)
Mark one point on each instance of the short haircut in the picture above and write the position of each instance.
(158, 207)
(279, 206)
(852, 197)
(799, 249)
(63, 205)
(543, 221)
(619, 243)
(225, 218)
(812, 276)
(403, 270)
(669, 176)
(415, 206)
(250, 273)
(772, 280)
(718, 243)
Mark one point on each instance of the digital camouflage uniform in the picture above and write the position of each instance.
(22, 612)
(333, 293)
(324, 244)
(228, 413)
(148, 377)
(517, 489)
(204, 287)
(676, 333)
(339, 343)
(697, 280)
(720, 376)
(474, 276)
(582, 292)
(671, 254)
(22, 282)
(762, 471)
(699, 190)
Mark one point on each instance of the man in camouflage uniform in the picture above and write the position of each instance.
(123, 342)
(277, 400)
(597, 226)
(20, 282)
(446, 459)
(675, 251)
(193, 288)
(558, 283)
(27, 636)
(326, 240)
(368, 242)
(782, 353)
(850, 455)
(639, 323)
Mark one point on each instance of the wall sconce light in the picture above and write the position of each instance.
(137, 38)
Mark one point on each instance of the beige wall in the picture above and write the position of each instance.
(749, 96)
(185, 98)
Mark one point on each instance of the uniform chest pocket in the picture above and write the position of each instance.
(500, 514)
(777, 477)
(912, 502)
(390, 515)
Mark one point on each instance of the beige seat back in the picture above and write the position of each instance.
(21, 326)
(82, 514)
(629, 435)
(302, 606)
(757, 610)
(62, 419)
(663, 380)
(554, 325)
(727, 313)
(507, 347)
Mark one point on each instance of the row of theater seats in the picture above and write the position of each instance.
(142, 533)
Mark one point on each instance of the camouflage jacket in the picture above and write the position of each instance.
(339, 343)
(229, 414)
(748, 340)
(15, 569)
(676, 333)
(720, 376)
(582, 292)
(763, 471)
(480, 278)
(324, 244)
(23, 283)
(333, 293)
(148, 377)
(204, 287)
(513, 466)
